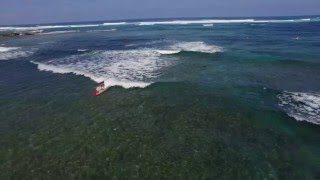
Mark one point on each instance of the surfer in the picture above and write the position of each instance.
(100, 89)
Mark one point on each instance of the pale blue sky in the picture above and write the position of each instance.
(47, 11)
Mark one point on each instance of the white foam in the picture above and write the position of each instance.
(144, 23)
(196, 47)
(66, 26)
(109, 82)
(83, 50)
(30, 28)
(6, 49)
(106, 30)
(7, 53)
(185, 22)
(186, 46)
(126, 68)
(301, 106)
(210, 22)
(207, 25)
(131, 45)
(58, 32)
(114, 24)
(164, 52)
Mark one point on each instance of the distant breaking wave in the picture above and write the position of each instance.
(82, 50)
(219, 21)
(301, 106)
(58, 32)
(6, 49)
(8, 53)
(105, 30)
(196, 47)
(45, 27)
(126, 68)
(115, 23)
(184, 22)
(171, 22)
(31, 28)
(74, 31)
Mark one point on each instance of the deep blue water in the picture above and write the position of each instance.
(235, 98)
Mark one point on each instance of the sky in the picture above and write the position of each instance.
(50, 11)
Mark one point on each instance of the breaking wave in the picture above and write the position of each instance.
(7, 53)
(301, 106)
(199, 46)
(126, 68)
(109, 81)
(167, 52)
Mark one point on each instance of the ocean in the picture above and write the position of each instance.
(205, 98)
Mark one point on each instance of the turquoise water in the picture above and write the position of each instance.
(235, 100)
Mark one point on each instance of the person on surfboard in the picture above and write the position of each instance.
(100, 89)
